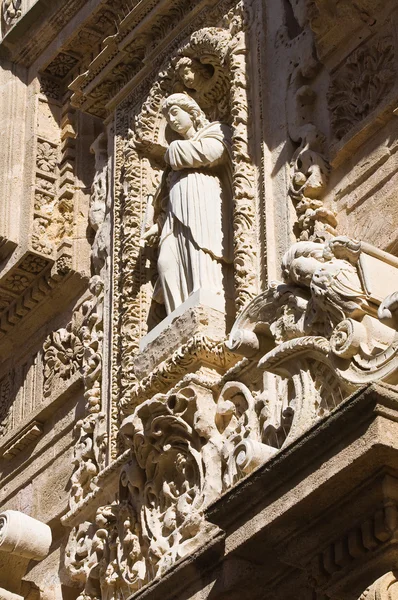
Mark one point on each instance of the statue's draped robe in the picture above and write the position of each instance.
(196, 240)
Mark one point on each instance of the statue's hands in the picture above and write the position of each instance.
(151, 237)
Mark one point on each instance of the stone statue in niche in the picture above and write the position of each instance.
(193, 207)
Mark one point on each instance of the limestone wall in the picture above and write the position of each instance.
(198, 293)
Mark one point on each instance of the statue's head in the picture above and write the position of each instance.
(301, 261)
(183, 113)
(193, 73)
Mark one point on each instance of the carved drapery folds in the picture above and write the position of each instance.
(306, 342)
(384, 588)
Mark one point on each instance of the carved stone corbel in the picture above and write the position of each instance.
(329, 329)
(22, 539)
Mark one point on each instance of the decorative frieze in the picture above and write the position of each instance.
(22, 288)
(361, 84)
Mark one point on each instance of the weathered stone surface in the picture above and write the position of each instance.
(198, 298)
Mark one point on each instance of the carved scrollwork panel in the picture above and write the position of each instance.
(320, 330)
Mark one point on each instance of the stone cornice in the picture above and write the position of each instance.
(44, 21)
(126, 57)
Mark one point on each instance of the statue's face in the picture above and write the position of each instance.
(179, 120)
(188, 76)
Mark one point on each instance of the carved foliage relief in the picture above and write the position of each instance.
(361, 84)
(53, 208)
(185, 450)
(307, 342)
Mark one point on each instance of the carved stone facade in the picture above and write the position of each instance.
(198, 299)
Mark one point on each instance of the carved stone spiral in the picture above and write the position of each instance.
(347, 337)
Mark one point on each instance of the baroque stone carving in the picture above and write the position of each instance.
(99, 213)
(46, 157)
(365, 80)
(47, 215)
(23, 287)
(11, 10)
(77, 350)
(63, 355)
(185, 450)
(220, 88)
(309, 169)
(329, 325)
(92, 437)
(384, 588)
(195, 226)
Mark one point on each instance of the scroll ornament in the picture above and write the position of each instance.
(186, 449)
(326, 330)
(329, 328)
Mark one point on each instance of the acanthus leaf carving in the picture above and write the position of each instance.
(187, 447)
(361, 84)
